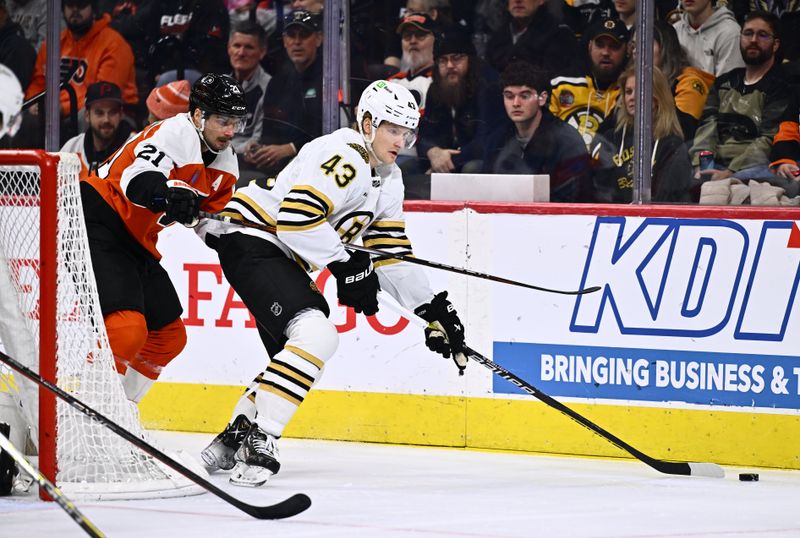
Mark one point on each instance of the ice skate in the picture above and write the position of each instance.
(256, 459)
(219, 454)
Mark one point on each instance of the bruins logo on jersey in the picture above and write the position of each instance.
(586, 124)
(698, 87)
(361, 151)
(566, 98)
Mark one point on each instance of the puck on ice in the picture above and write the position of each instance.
(748, 477)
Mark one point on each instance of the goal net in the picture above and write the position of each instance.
(50, 320)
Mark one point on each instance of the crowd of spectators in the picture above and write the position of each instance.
(505, 86)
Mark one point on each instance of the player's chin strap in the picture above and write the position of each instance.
(368, 143)
(200, 133)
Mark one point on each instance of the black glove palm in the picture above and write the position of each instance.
(357, 283)
(445, 333)
(179, 201)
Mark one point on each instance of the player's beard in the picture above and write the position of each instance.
(222, 143)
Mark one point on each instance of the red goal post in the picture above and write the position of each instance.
(50, 320)
(48, 168)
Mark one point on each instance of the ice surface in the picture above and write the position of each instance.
(366, 490)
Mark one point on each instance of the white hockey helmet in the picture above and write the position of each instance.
(10, 102)
(388, 101)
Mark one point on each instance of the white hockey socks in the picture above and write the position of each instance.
(313, 340)
(136, 384)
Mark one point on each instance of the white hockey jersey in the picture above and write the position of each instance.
(327, 195)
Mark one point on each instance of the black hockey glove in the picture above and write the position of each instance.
(444, 333)
(357, 283)
(178, 200)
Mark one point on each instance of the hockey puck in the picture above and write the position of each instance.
(748, 477)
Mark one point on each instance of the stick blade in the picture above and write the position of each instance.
(282, 510)
(710, 470)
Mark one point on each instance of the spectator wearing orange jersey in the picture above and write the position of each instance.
(98, 52)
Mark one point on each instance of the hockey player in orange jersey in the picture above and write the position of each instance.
(166, 174)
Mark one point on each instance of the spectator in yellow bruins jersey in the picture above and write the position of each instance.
(689, 85)
(584, 102)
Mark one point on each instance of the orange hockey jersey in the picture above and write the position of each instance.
(101, 54)
(171, 147)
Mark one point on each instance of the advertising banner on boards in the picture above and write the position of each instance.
(694, 311)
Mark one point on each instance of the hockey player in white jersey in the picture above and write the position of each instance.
(339, 188)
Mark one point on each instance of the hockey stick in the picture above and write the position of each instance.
(290, 507)
(62, 500)
(667, 467)
(65, 78)
(410, 259)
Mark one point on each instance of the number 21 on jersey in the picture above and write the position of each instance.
(348, 171)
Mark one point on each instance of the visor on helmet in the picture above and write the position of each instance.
(409, 135)
(223, 121)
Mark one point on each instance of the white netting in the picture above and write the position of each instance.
(93, 462)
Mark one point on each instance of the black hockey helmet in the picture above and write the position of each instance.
(218, 94)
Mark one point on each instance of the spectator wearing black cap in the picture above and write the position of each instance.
(438, 10)
(533, 141)
(16, 52)
(534, 35)
(462, 103)
(418, 35)
(106, 131)
(585, 101)
(293, 100)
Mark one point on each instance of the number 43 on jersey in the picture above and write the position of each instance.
(346, 171)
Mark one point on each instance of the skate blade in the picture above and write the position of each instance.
(249, 476)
